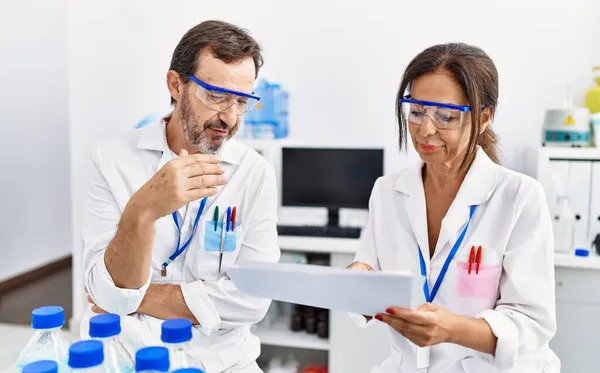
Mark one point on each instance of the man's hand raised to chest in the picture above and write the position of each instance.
(182, 180)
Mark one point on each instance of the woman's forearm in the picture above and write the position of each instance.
(475, 334)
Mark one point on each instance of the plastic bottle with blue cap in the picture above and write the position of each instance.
(42, 366)
(176, 334)
(87, 357)
(106, 328)
(48, 341)
(152, 359)
(188, 370)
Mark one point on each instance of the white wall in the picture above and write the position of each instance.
(341, 60)
(34, 140)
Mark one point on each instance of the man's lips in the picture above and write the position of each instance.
(218, 132)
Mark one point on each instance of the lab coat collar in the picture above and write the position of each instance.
(154, 137)
(476, 189)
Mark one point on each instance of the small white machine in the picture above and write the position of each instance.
(567, 127)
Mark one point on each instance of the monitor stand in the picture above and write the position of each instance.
(333, 216)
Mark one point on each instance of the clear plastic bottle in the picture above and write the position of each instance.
(48, 341)
(107, 328)
(152, 360)
(281, 107)
(42, 366)
(563, 226)
(87, 357)
(262, 121)
(176, 335)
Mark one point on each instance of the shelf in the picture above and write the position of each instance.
(279, 334)
(570, 153)
(319, 244)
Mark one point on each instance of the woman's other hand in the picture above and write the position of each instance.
(360, 266)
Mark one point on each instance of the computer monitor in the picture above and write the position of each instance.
(333, 178)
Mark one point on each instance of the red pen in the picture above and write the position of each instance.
(478, 259)
(233, 219)
(471, 257)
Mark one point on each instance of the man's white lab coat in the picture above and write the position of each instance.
(223, 340)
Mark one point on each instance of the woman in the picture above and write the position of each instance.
(480, 234)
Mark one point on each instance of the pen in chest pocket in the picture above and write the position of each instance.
(222, 246)
(216, 217)
(475, 259)
(233, 213)
(228, 218)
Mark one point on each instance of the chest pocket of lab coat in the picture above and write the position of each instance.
(204, 260)
(468, 294)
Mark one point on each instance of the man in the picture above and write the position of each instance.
(153, 244)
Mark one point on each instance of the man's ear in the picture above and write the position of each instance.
(175, 85)
(486, 119)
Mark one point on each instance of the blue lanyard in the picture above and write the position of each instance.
(181, 249)
(430, 297)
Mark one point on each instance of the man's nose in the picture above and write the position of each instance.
(229, 116)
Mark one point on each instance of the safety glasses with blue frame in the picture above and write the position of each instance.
(443, 116)
(222, 99)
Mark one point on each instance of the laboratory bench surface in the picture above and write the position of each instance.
(350, 246)
(571, 261)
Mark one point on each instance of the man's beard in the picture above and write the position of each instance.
(201, 138)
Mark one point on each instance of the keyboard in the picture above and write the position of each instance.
(318, 231)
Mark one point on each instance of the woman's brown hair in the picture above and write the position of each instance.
(476, 73)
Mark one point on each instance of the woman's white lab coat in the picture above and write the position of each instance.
(515, 291)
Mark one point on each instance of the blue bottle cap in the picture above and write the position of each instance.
(42, 366)
(106, 325)
(48, 317)
(86, 354)
(188, 370)
(582, 252)
(152, 358)
(176, 331)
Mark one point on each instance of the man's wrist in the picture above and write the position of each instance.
(147, 301)
(138, 213)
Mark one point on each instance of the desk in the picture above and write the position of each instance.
(577, 280)
(351, 245)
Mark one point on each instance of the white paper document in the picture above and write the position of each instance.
(339, 289)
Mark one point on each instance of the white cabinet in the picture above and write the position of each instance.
(594, 227)
(573, 178)
(576, 173)
(578, 319)
(579, 182)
